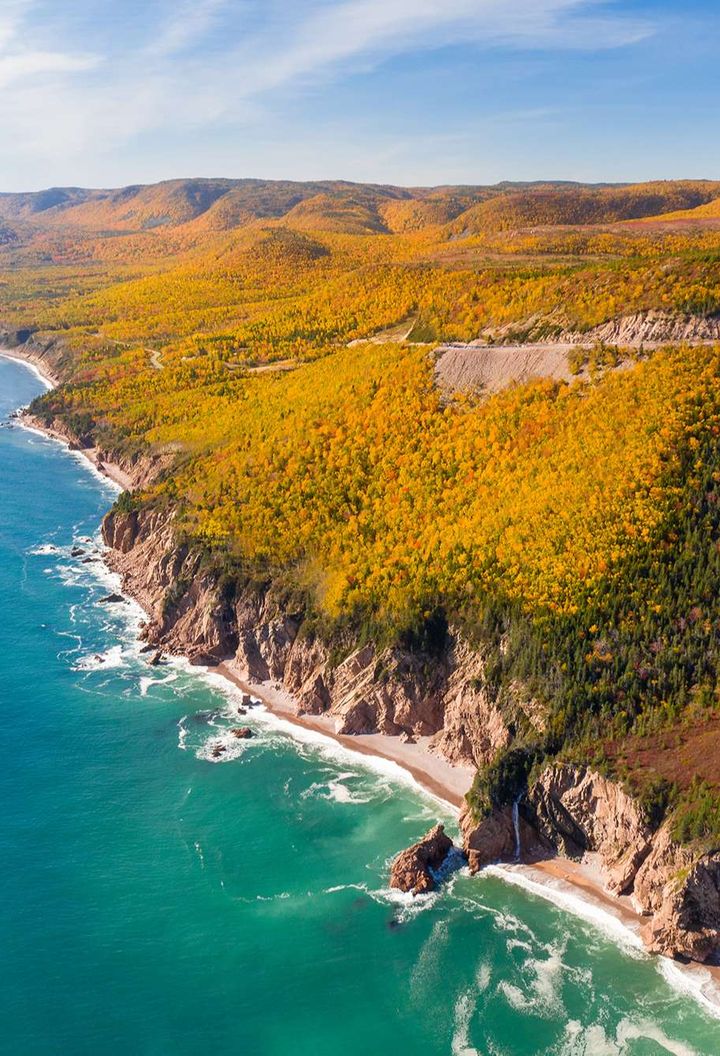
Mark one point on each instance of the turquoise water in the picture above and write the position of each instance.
(155, 901)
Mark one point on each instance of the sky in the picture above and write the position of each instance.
(103, 93)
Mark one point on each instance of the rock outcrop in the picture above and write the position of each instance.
(411, 693)
(577, 810)
(413, 868)
(399, 690)
(496, 839)
(676, 887)
(573, 811)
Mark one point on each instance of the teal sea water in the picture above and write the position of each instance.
(155, 901)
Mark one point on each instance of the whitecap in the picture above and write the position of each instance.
(586, 1041)
(630, 1030)
(462, 1014)
(111, 658)
(426, 977)
(327, 745)
(44, 549)
(146, 682)
(406, 904)
(565, 898)
(182, 736)
(542, 979)
(222, 748)
(335, 791)
(695, 982)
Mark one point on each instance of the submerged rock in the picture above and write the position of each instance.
(412, 869)
(156, 659)
(112, 599)
(242, 732)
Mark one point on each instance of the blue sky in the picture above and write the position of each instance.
(108, 92)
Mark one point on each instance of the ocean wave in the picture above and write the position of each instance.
(542, 984)
(644, 1030)
(570, 901)
(426, 975)
(337, 791)
(345, 887)
(223, 747)
(407, 906)
(462, 1015)
(327, 746)
(693, 981)
(146, 682)
(111, 658)
(44, 550)
(593, 1040)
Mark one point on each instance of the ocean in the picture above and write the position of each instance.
(159, 901)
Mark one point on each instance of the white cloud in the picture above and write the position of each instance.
(189, 22)
(18, 60)
(35, 63)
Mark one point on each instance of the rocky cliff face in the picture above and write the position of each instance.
(569, 810)
(392, 691)
(47, 352)
(573, 811)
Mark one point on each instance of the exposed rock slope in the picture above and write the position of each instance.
(574, 811)
(393, 691)
(568, 810)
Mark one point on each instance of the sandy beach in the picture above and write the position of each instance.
(443, 780)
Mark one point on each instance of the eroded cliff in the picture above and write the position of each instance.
(396, 690)
(569, 811)
(573, 811)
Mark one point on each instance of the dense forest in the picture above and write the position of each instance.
(277, 344)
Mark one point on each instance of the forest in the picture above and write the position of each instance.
(277, 345)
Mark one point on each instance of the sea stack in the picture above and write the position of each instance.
(412, 869)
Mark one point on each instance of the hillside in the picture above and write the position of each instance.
(519, 561)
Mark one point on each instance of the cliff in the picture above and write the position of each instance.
(416, 868)
(47, 352)
(397, 690)
(568, 811)
(573, 811)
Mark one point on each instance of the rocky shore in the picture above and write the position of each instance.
(568, 811)
(434, 701)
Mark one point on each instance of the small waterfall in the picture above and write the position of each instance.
(516, 825)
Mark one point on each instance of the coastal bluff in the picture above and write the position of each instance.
(568, 811)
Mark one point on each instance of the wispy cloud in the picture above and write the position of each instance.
(203, 63)
(19, 59)
(187, 25)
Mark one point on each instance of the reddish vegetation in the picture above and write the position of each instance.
(678, 755)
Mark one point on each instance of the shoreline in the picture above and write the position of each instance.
(35, 364)
(580, 882)
(111, 470)
(434, 774)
